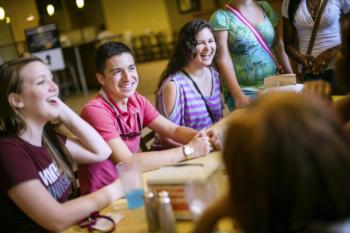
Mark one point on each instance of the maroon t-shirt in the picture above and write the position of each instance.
(20, 162)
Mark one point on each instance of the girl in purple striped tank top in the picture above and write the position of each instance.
(189, 90)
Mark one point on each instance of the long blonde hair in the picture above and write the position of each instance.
(12, 123)
(60, 155)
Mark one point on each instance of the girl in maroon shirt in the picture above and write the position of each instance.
(35, 174)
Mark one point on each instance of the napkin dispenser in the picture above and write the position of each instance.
(173, 179)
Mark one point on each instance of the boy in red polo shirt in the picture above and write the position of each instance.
(119, 113)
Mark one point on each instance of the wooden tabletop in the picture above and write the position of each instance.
(134, 220)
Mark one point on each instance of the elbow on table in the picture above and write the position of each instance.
(56, 226)
(58, 221)
(106, 153)
(103, 154)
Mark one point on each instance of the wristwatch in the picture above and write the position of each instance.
(188, 152)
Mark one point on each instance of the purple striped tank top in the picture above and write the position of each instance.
(189, 109)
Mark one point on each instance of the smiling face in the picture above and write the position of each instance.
(119, 78)
(37, 100)
(205, 48)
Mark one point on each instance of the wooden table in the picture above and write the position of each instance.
(337, 97)
(134, 220)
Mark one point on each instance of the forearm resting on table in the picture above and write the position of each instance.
(221, 128)
(148, 160)
(184, 135)
(40, 206)
(168, 143)
(155, 159)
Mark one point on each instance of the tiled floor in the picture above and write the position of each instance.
(149, 74)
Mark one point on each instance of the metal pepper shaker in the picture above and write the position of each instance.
(166, 214)
(151, 211)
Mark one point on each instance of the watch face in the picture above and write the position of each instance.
(188, 150)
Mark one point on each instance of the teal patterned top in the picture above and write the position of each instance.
(251, 62)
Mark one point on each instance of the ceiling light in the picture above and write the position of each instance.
(7, 19)
(2, 13)
(30, 18)
(50, 9)
(80, 3)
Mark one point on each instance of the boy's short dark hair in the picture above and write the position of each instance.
(107, 50)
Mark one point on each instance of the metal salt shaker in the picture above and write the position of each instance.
(151, 212)
(166, 214)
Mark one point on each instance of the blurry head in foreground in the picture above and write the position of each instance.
(293, 173)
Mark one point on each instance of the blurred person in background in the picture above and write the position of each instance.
(249, 49)
(299, 19)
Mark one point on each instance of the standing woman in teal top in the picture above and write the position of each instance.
(241, 60)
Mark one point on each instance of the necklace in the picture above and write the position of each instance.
(313, 9)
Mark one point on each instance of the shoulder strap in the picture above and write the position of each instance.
(255, 32)
(105, 98)
(315, 28)
(199, 91)
(313, 35)
(117, 115)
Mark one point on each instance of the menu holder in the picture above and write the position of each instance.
(281, 83)
(280, 80)
(205, 171)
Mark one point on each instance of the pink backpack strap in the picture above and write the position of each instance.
(255, 32)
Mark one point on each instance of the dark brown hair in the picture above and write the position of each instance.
(185, 47)
(108, 50)
(289, 166)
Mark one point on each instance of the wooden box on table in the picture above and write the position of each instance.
(205, 171)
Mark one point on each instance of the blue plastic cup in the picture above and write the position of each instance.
(130, 177)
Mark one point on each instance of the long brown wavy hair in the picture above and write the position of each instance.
(289, 166)
(185, 47)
